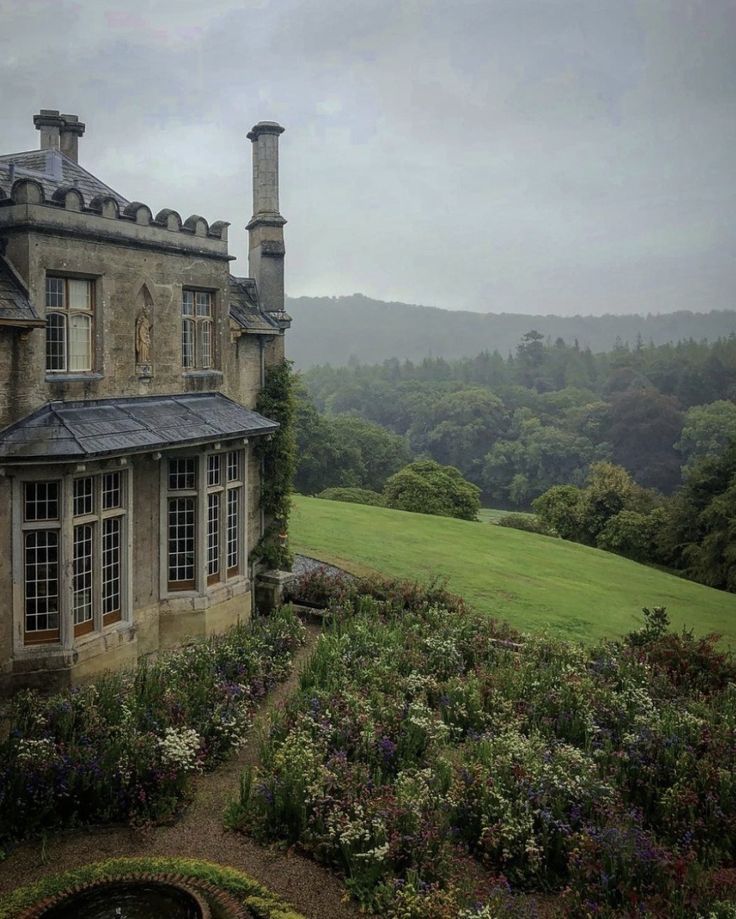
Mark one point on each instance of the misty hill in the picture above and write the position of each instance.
(335, 329)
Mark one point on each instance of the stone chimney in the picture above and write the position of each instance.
(266, 228)
(71, 131)
(59, 132)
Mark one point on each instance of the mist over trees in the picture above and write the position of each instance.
(341, 330)
(516, 426)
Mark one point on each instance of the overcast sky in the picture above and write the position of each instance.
(566, 156)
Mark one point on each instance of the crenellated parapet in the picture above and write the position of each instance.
(107, 215)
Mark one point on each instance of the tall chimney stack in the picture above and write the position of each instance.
(266, 227)
(71, 131)
(59, 132)
(49, 123)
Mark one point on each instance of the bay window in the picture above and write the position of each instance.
(204, 519)
(73, 560)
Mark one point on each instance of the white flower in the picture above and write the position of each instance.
(179, 747)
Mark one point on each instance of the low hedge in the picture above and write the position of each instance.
(261, 902)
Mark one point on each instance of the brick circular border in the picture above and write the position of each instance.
(196, 888)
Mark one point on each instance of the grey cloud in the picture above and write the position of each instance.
(519, 155)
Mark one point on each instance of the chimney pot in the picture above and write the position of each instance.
(49, 122)
(71, 130)
(59, 132)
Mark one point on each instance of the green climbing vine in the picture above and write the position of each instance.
(278, 455)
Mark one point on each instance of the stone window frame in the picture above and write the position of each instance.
(203, 327)
(67, 637)
(206, 580)
(64, 311)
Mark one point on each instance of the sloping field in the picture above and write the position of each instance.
(535, 582)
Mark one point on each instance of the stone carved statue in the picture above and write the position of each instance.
(143, 338)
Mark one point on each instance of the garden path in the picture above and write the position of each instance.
(314, 891)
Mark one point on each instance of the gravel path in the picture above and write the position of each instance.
(199, 833)
(304, 564)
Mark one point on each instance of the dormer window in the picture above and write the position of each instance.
(197, 335)
(69, 317)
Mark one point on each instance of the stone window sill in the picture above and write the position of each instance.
(73, 377)
(202, 374)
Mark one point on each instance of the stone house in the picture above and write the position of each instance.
(130, 364)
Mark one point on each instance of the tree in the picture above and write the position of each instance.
(560, 510)
(464, 425)
(631, 534)
(517, 471)
(381, 452)
(702, 533)
(707, 431)
(643, 426)
(610, 490)
(426, 487)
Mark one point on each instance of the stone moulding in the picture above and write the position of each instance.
(26, 190)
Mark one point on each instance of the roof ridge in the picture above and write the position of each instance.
(52, 410)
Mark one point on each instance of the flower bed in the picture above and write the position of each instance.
(230, 892)
(447, 771)
(124, 747)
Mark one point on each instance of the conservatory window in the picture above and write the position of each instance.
(205, 521)
(91, 569)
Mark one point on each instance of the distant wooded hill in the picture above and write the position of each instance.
(337, 329)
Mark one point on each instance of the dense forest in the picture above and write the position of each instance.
(341, 330)
(516, 425)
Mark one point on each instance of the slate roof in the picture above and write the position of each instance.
(37, 162)
(245, 309)
(107, 427)
(16, 308)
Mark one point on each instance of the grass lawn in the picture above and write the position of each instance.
(535, 582)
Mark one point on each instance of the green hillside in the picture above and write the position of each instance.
(535, 582)
(331, 330)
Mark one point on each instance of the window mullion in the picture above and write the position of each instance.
(66, 564)
(200, 558)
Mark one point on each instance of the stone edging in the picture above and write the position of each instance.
(191, 885)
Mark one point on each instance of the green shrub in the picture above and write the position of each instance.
(560, 511)
(530, 523)
(425, 487)
(353, 496)
(631, 534)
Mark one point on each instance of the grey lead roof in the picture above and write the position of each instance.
(35, 164)
(15, 306)
(106, 427)
(245, 309)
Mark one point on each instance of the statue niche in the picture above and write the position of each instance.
(143, 332)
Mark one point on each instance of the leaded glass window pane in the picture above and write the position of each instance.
(56, 341)
(183, 474)
(181, 526)
(82, 577)
(84, 496)
(80, 343)
(41, 575)
(40, 501)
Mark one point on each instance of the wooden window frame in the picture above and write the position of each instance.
(202, 327)
(92, 514)
(66, 313)
(208, 484)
